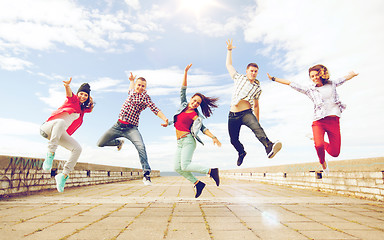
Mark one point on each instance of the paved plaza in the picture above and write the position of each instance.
(168, 210)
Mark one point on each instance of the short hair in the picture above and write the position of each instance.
(252, 65)
(322, 71)
(142, 79)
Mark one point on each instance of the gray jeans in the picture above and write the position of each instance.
(247, 118)
(131, 133)
(56, 133)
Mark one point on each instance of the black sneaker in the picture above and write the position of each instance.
(273, 148)
(199, 188)
(121, 142)
(215, 175)
(241, 158)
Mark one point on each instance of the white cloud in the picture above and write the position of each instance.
(135, 4)
(17, 127)
(341, 32)
(104, 83)
(41, 25)
(13, 63)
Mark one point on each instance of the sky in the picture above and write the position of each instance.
(44, 42)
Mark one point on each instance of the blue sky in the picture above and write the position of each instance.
(43, 43)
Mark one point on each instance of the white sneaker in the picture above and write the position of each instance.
(273, 149)
(326, 171)
(147, 181)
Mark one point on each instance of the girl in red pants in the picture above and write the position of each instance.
(327, 109)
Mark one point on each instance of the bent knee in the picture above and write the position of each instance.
(177, 169)
(77, 149)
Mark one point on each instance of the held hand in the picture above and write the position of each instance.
(188, 67)
(165, 124)
(216, 142)
(132, 78)
(66, 83)
(351, 74)
(230, 45)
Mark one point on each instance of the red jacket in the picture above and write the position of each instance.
(71, 105)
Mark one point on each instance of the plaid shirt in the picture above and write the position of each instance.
(134, 105)
(314, 94)
(244, 89)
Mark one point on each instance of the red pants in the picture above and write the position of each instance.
(331, 126)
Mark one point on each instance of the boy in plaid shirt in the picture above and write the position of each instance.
(128, 122)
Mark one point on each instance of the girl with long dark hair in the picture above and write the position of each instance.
(188, 123)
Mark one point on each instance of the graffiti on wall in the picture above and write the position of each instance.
(22, 172)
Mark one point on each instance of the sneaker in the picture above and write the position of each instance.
(199, 188)
(326, 170)
(147, 181)
(273, 149)
(215, 175)
(241, 158)
(121, 142)
(47, 165)
(60, 182)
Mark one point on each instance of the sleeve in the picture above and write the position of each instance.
(236, 76)
(203, 128)
(339, 81)
(299, 87)
(73, 99)
(183, 94)
(152, 106)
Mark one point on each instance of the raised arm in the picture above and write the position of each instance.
(184, 84)
(228, 63)
(68, 89)
(351, 75)
(132, 81)
(279, 80)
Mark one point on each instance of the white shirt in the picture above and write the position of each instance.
(331, 108)
(244, 89)
(68, 118)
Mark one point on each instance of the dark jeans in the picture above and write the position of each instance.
(247, 118)
(130, 132)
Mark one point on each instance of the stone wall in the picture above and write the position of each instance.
(20, 175)
(360, 177)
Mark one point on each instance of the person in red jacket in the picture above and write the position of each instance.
(62, 124)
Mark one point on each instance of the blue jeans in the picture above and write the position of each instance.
(247, 118)
(131, 133)
(183, 159)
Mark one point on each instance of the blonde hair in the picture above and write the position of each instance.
(322, 71)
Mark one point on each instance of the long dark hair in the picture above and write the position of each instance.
(207, 103)
(85, 104)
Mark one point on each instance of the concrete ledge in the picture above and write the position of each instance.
(21, 175)
(360, 178)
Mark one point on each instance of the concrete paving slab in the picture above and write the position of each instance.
(168, 210)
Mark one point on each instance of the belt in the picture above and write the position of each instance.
(236, 114)
(123, 125)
